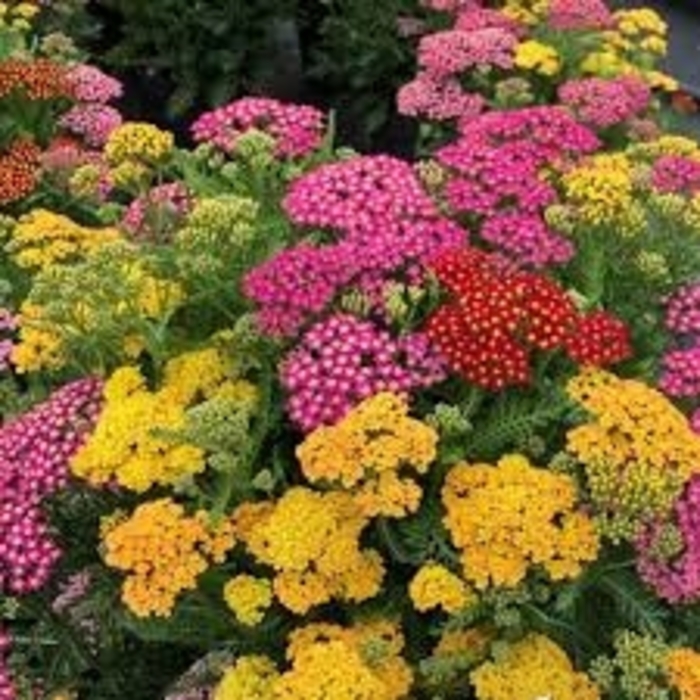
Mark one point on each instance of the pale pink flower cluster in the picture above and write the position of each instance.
(453, 51)
(90, 84)
(438, 99)
(157, 212)
(297, 129)
(579, 15)
(602, 103)
(94, 122)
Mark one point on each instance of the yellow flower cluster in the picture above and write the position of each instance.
(17, 16)
(250, 678)
(369, 451)
(601, 192)
(526, 11)
(665, 145)
(311, 540)
(435, 586)
(537, 57)
(533, 668)
(511, 516)
(249, 598)
(138, 143)
(333, 661)
(163, 550)
(472, 643)
(126, 444)
(43, 238)
(637, 449)
(683, 668)
(40, 343)
(632, 48)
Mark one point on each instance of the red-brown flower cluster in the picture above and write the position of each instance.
(39, 79)
(498, 315)
(19, 168)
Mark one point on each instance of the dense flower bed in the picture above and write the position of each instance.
(287, 422)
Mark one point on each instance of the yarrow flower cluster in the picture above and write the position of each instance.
(35, 450)
(369, 453)
(39, 79)
(153, 214)
(43, 238)
(342, 360)
(683, 668)
(19, 170)
(435, 586)
(497, 316)
(139, 144)
(681, 174)
(248, 598)
(534, 667)
(297, 130)
(93, 122)
(90, 84)
(637, 450)
(507, 518)
(163, 550)
(579, 15)
(312, 542)
(131, 442)
(602, 103)
(674, 572)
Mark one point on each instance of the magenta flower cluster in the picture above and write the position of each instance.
(297, 129)
(384, 224)
(683, 310)
(156, 210)
(94, 122)
(90, 84)
(677, 579)
(343, 360)
(678, 174)
(34, 453)
(680, 375)
(602, 103)
(495, 173)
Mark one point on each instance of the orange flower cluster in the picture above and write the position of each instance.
(39, 79)
(19, 168)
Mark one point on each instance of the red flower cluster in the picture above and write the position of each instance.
(498, 315)
(19, 168)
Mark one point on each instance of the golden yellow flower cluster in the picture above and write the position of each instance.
(331, 661)
(637, 449)
(534, 667)
(683, 668)
(311, 540)
(42, 238)
(664, 145)
(511, 516)
(435, 586)
(601, 192)
(369, 453)
(526, 11)
(249, 598)
(250, 678)
(138, 143)
(40, 344)
(532, 55)
(128, 443)
(163, 550)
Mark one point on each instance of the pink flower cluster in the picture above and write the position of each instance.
(358, 195)
(438, 99)
(157, 211)
(527, 239)
(683, 310)
(90, 84)
(94, 122)
(453, 51)
(343, 360)
(681, 372)
(34, 453)
(602, 103)
(451, 5)
(476, 18)
(297, 129)
(677, 580)
(385, 224)
(579, 15)
(676, 174)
